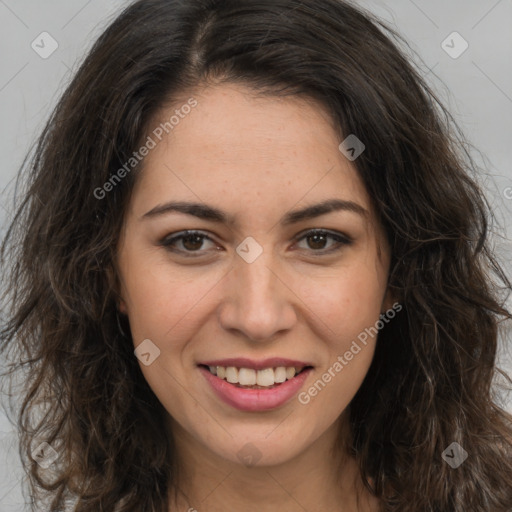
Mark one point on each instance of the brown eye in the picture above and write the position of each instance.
(192, 242)
(318, 241)
(187, 242)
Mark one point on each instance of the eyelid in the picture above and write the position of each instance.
(324, 231)
(340, 238)
(179, 235)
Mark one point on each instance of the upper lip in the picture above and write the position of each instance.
(242, 362)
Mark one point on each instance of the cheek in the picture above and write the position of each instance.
(346, 302)
(159, 297)
(349, 306)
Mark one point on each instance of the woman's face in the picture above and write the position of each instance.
(254, 288)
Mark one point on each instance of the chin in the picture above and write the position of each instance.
(264, 448)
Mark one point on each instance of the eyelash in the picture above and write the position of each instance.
(342, 240)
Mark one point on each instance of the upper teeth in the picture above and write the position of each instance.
(249, 376)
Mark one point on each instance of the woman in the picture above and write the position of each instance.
(251, 271)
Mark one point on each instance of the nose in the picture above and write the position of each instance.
(258, 302)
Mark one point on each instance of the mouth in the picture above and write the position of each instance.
(253, 386)
(250, 378)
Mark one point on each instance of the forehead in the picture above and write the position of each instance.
(240, 149)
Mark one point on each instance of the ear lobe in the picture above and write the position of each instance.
(122, 307)
(115, 286)
(388, 301)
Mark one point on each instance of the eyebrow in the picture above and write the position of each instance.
(210, 213)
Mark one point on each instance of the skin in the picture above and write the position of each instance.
(255, 158)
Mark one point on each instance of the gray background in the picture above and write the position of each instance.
(477, 88)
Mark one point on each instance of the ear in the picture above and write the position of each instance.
(115, 285)
(121, 306)
(390, 298)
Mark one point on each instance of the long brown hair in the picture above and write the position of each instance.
(430, 383)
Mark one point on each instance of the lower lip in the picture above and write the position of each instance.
(253, 400)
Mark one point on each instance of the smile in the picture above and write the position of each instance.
(253, 387)
(255, 379)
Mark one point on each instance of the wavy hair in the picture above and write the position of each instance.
(431, 380)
